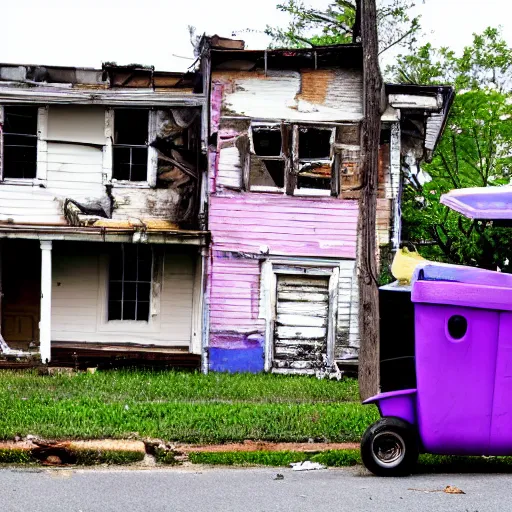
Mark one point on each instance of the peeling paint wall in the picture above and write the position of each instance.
(308, 95)
(75, 162)
(248, 227)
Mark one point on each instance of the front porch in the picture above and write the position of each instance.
(68, 302)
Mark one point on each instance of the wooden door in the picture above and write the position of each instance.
(21, 288)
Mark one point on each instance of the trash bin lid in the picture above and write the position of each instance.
(440, 283)
(485, 203)
(433, 271)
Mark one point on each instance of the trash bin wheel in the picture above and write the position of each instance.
(389, 447)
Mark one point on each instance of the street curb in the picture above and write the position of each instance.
(122, 452)
(84, 453)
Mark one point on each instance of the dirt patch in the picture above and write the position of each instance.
(255, 446)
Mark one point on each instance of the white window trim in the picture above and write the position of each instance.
(268, 298)
(311, 192)
(125, 326)
(262, 188)
(314, 192)
(196, 334)
(108, 154)
(42, 152)
(252, 154)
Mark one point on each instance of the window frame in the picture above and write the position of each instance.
(136, 282)
(273, 266)
(291, 160)
(41, 149)
(281, 158)
(305, 192)
(108, 151)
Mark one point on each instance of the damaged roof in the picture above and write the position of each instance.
(111, 85)
(111, 75)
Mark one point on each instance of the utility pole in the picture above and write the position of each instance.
(367, 248)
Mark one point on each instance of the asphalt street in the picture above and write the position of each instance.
(227, 489)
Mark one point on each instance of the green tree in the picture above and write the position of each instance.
(475, 151)
(336, 24)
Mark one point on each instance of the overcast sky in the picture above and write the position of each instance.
(86, 33)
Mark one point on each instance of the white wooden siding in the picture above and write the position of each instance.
(75, 160)
(79, 300)
(347, 335)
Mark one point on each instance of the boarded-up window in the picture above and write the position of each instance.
(130, 150)
(20, 142)
(129, 288)
(267, 165)
(300, 338)
(314, 159)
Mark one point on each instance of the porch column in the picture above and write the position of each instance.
(45, 325)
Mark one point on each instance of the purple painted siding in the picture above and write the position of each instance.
(291, 226)
(240, 224)
(234, 299)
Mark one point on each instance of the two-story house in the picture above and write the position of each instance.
(284, 180)
(102, 246)
(205, 216)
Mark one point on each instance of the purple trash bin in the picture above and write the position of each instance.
(463, 359)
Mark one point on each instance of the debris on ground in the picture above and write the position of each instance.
(450, 489)
(306, 465)
(279, 476)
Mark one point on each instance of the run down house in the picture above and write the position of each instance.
(102, 245)
(169, 216)
(284, 182)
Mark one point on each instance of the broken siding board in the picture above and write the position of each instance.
(229, 168)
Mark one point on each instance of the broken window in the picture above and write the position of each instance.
(129, 288)
(20, 142)
(304, 159)
(267, 165)
(314, 173)
(130, 148)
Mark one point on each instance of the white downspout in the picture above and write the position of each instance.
(45, 325)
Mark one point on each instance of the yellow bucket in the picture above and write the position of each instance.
(404, 263)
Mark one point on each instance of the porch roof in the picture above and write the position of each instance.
(103, 234)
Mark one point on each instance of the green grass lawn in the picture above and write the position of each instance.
(181, 406)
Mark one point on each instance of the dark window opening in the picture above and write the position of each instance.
(314, 143)
(267, 168)
(267, 142)
(267, 173)
(130, 151)
(129, 289)
(20, 142)
(315, 170)
(315, 176)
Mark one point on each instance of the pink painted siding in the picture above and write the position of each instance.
(234, 295)
(291, 226)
